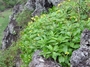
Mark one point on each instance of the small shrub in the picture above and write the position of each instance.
(7, 56)
(23, 17)
(57, 33)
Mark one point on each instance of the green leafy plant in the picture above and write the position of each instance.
(57, 33)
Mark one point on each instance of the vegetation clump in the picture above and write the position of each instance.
(8, 56)
(57, 33)
(23, 17)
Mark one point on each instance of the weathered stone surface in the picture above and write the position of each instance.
(30, 5)
(81, 56)
(17, 9)
(38, 6)
(55, 2)
(10, 34)
(39, 61)
(12, 30)
(85, 38)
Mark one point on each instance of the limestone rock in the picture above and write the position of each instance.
(17, 9)
(85, 38)
(12, 30)
(55, 2)
(10, 34)
(39, 6)
(39, 61)
(81, 56)
(30, 5)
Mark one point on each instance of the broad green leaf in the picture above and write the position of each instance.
(61, 59)
(65, 48)
(50, 47)
(56, 48)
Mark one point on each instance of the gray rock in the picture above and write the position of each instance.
(85, 37)
(81, 56)
(55, 2)
(39, 6)
(17, 9)
(10, 34)
(12, 30)
(30, 5)
(39, 61)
